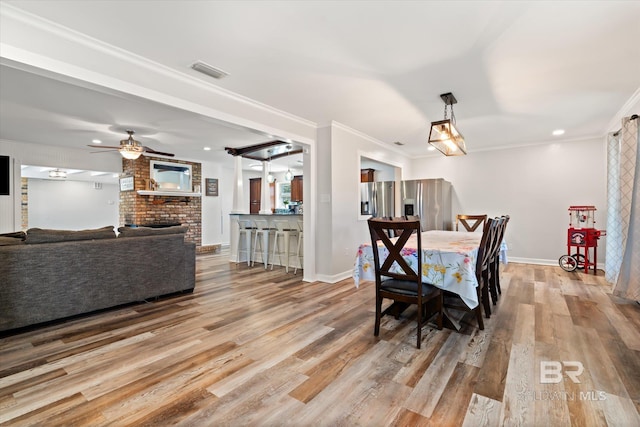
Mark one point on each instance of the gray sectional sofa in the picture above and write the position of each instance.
(47, 275)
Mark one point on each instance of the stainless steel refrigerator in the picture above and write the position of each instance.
(377, 198)
(430, 199)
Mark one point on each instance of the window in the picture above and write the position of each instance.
(283, 194)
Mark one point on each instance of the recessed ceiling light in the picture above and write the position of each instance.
(431, 148)
(256, 166)
(96, 141)
(558, 132)
(207, 148)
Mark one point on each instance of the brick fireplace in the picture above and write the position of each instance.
(154, 210)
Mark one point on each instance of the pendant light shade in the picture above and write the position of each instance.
(444, 135)
(270, 177)
(288, 176)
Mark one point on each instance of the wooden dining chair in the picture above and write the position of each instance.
(413, 218)
(483, 262)
(471, 222)
(399, 278)
(494, 261)
(453, 301)
(391, 232)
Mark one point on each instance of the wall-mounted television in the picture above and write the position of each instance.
(5, 175)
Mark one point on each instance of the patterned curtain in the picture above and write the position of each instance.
(622, 264)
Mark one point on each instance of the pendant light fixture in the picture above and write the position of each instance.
(288, 176)
(270, 178)
(444, 135)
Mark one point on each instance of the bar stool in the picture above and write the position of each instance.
(300, 246)
(261, 236)
(244, 233)
(284, 231)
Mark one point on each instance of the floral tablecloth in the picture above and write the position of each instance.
(448, 262)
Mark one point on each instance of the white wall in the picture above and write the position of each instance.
(71, 205)
(535, 185)
(216, 209)
(341, 229)
(23, 153)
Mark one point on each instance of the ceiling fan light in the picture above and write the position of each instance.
(131, 153)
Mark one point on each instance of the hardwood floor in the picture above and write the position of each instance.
(256, 347)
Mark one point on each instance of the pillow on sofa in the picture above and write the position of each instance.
(151, 231)
(41, 235)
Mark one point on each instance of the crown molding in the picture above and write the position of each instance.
(50, 27)
(632, 102)
(366, 137)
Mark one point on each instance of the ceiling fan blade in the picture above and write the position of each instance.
(152, 151)
(101, 152)
(104, 146)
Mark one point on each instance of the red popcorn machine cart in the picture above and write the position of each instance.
(581, 237)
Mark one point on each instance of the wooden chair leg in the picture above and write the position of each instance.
(478, 311)
(419, 325)
(376, 328)
(485, 294)
(494, 281)
(439, 308)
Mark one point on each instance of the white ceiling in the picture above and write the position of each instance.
(518, 69)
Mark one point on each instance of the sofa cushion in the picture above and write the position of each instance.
(15, 235)
(41, 235)
(7, 241)
(151, 231)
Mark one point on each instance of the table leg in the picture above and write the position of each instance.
(448, 321)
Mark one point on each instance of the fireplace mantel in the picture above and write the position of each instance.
(169, 193)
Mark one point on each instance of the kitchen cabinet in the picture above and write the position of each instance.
(296, 189)
(366, 175)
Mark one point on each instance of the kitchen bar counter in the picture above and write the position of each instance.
(233, 244)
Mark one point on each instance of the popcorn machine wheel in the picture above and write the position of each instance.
(581, 237)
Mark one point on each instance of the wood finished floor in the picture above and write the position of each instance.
(256, 347)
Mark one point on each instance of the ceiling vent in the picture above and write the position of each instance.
(207, 69)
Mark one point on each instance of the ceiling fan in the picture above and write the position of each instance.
(132, 149)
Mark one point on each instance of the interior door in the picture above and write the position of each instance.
(255, 185)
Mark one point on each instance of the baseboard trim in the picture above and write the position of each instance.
(540, 261)
(335, 278)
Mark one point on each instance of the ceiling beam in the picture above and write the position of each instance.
(252, 148)
(275, 156)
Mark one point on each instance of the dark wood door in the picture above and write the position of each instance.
(296, 189)
(255, 185)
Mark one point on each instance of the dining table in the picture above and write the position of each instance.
(448, 262)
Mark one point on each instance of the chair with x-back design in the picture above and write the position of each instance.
(395, 278)
(471, 222)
